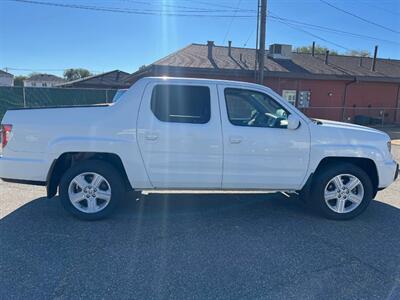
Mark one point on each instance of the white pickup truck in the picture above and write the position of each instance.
(194, 134)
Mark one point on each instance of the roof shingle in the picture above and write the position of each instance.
(195, 56)
(112, 79)
(4, 73)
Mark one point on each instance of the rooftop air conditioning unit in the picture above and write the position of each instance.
(280, 51)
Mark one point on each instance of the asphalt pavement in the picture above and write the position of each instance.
(197, 247)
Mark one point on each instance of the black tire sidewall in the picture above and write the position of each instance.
(102, 168)
(322, 179)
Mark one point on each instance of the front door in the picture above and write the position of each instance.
(180, 135)
(259, 151)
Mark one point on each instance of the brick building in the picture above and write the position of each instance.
(337, 87)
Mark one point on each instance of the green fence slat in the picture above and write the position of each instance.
(13, 97)
(10, 97)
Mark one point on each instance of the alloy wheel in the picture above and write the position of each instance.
(89, 192)
(344, 193)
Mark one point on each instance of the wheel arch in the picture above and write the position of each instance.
(68, 159)
(366, 164)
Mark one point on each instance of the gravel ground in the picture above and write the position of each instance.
(198, 246)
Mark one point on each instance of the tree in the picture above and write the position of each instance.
(19, 80)
(142, 67)
(74, 74)
(317, 50)
(360, 53)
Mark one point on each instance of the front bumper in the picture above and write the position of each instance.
(387, 173)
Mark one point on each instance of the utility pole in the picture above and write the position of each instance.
(256, 55)
(263, 23)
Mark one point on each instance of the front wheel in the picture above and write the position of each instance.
(91, 190)
(341, 192)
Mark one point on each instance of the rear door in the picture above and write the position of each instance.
(259, 151)
(180, 135)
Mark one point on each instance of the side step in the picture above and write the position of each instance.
(156, 191)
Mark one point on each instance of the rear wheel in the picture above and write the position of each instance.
(91, 190)
(341, 192)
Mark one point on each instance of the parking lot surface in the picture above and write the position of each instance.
(198, 246)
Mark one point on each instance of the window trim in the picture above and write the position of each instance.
(260, 92)
(181, 85)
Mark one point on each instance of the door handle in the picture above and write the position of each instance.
(235, 139)
(151, 137)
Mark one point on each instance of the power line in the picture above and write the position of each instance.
(203, 13)
(200, 9)
(230, 23)
(134, 11)
(358, 17)
(248, 38)
(215, 4)
(384, 9)
(312, 34)
(255, 29)
(328, 29)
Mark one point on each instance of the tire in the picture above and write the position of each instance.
(337, 195)
(91, 190)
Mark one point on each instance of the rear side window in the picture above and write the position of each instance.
(181, 103)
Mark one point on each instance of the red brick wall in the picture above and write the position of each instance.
(324, 93)
(380, 98)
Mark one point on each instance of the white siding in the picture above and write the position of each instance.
(6, 80)
(29, 83)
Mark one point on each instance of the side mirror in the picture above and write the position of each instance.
(293, 122)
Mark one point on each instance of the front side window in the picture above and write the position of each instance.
(181, 103)
(254, 109)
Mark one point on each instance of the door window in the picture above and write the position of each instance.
(181, 103)
(254, 109)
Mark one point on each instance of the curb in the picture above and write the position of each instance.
(396, 142)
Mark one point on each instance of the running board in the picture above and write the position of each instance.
(156, 191)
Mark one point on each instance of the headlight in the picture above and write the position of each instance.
(389, 145)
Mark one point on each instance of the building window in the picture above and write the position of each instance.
(44, 84)
(254, 109)
(290, 96)
(181, 104)
(33, 83)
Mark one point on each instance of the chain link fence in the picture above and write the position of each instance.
(368, 116)
(20, 97)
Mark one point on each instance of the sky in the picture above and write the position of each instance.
(49, 39)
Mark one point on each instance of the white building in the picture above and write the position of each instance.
(6, 79)
(43, 80)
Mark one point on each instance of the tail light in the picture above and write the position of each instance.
(5, 134)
